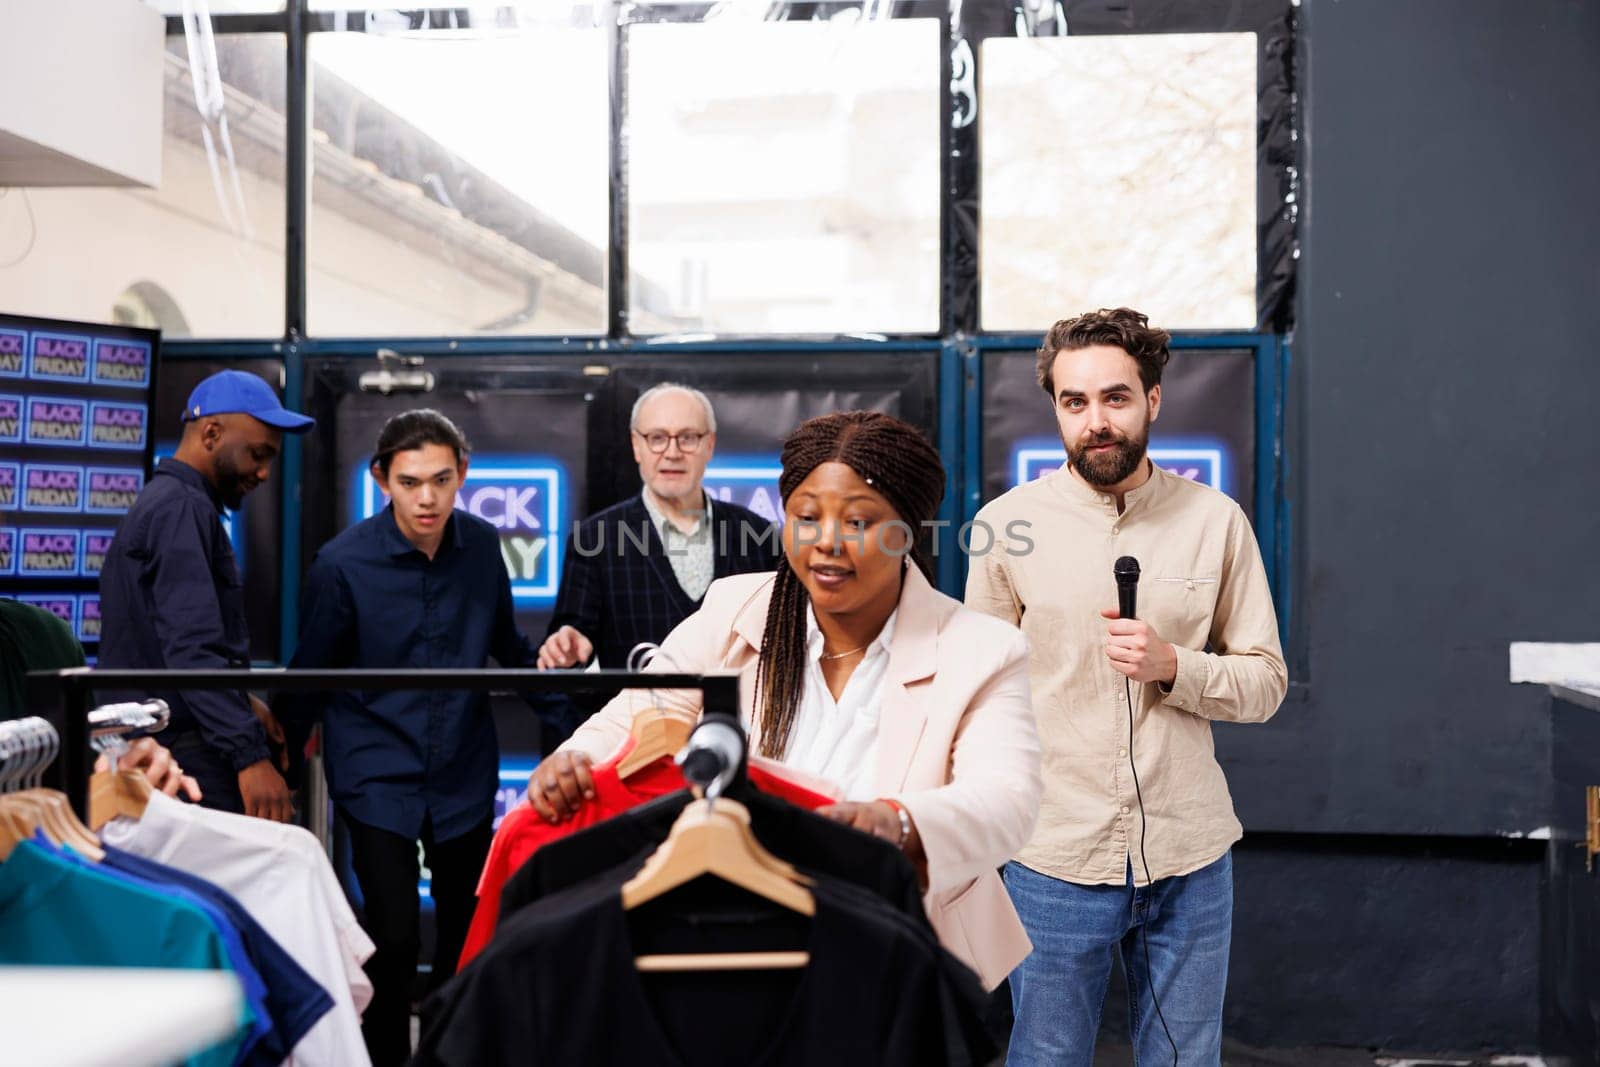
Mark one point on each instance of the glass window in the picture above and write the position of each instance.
(502, 14)
(1119, 171)
(200, 255)
(784, 176)
(217, 7)
(459, 183)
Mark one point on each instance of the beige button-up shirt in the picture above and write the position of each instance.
(1202, 588)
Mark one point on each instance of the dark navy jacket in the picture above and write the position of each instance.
(170, 597)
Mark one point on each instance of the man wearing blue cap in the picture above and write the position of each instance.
(171, 597)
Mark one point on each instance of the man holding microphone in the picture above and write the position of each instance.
(1132, 852)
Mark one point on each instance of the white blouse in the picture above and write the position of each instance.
(838, 740)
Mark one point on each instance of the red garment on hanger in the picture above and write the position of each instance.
(523, 831)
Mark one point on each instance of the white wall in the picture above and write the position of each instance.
(86, 111)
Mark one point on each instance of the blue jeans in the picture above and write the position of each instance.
(1058, 991)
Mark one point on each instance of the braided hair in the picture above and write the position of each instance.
(897, 461)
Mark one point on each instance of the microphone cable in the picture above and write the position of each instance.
(1144, 932)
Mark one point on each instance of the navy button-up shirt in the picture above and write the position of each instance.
(373, 600)
(170, 597)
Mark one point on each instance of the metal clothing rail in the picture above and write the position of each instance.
(111, 726)
(73, 690)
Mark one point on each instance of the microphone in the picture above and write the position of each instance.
(1126, 571)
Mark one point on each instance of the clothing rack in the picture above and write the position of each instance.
(111, 725)
(30, 745)
(27, 747)
(70, 691)
(716, 756)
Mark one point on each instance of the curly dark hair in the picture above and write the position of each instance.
(1122, 328)
(895, 459)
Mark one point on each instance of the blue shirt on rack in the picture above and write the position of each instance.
(292, 1001)
(373, 600)
(255, 987)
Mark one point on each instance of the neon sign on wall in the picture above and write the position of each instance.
(1197, 460)
(522, 497)
(749, 481)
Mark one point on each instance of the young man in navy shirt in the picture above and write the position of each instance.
(419, 585)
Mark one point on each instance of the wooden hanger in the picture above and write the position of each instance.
(114, 794)
(657, 732)
(661, 732)
(18, 818)
(33, 745)
(33, 810)
(27, 810)
(16, 826)
(59, 822)
(714, 838)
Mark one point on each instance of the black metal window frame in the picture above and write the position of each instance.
(960, 335)
(961, 39)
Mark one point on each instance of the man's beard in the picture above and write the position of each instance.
(230, 484)
(1106, 469)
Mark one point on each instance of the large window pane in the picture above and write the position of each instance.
(784, 177)
(1119, 171)
(459, 183)
(199, 256)
(500, 14)
(216, 7)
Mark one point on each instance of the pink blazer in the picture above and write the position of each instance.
(957, 743)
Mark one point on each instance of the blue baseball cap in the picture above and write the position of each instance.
(233, 392)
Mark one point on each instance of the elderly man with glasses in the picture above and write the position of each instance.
(638, 568)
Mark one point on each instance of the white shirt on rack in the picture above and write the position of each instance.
(281, 876)
(838, 740)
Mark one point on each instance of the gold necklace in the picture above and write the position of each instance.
(842, 655)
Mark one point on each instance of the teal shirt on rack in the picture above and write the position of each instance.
(55, 913)
(255, 990)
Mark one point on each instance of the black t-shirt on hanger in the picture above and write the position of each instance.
(811, 843)
(797, 836)
(559, 985)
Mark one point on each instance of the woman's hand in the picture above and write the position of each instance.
(560, 785)
(881, 819)
(875, 817)
(155, 761)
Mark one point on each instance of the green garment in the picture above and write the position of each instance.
(31, 639)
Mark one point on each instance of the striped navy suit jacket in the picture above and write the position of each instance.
(618, 596)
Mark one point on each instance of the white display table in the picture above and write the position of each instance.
(128, 1016)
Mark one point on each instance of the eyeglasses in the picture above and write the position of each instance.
(658, 440)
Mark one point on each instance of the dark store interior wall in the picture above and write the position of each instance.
(1445, 503)
(1447, 498)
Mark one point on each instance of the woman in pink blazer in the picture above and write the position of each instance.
(853, 667)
